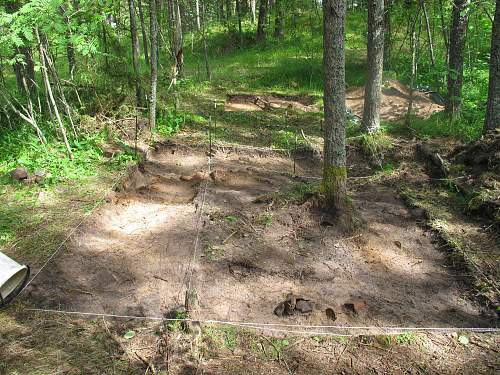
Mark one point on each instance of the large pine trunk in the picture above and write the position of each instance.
(371, 112)
(334, 168)
(261, 25)
(492, 120)
(153, 26)
(460, 17)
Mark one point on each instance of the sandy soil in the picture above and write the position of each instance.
(133, 256)
(394, 102)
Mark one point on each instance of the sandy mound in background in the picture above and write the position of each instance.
(395, 97)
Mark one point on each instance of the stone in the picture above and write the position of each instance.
(19, 174)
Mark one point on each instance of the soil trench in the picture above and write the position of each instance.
(132, 257)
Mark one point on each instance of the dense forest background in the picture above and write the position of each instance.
(62, 63)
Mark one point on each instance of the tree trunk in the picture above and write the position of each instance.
(197, 10)
(334, 184)
(144, 34)
(443, 30)
(240, 29)
(387, 31)
(371, 111)
(48, 87)
(261, 26)
(279, 21)
(177, 42)
(205, 44)
(492, 120)
(414, 40)
(153, 26)
(460, 16)
(253, 7)
(135, 52)
(429, 34)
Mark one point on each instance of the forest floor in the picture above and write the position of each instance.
(242, 228)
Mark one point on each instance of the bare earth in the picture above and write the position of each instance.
(133, 256)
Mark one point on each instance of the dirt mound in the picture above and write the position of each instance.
(482, 155)
(395, 98)
(259, 102)
(478, 164)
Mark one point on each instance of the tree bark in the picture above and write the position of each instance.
(371, 111)
(429, 34)
(135, 52)
(261, 25)
(492, 120)
(334, 184)
(48, 87)
(387, 31)
(240, 29)
(205, 44)
(460, 17)
(197, 10)
(153, 25)
(253, 7)
(279, 21)
(144, 34)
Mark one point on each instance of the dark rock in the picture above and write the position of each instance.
(330, 314)
(19, 174)
(39, 176)
(303, 306)
(293, 305)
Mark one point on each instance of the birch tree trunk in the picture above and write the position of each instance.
(334, 184)
(460, 17)
(135, 52)
(153, 26)
(253, 7)
(492, 120)
(371, 111)
(197, 10)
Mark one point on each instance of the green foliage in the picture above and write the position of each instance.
(177, 325)
(266, 219)
(20, 147)
(169, 122)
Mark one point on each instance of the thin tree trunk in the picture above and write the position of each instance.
(334, 184)
(460, 17)
(205, 44)
(240, 29)
(387, 31)
(144, 34)
(279, 21)
(261, 26)
(253, 8)
(154, 63)
(429, 34)
(371, 111)
(443, 30)
(178, 40)
(135, 52)
(492, 120)
(414, 40)
(197, 9)
(45, 76)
